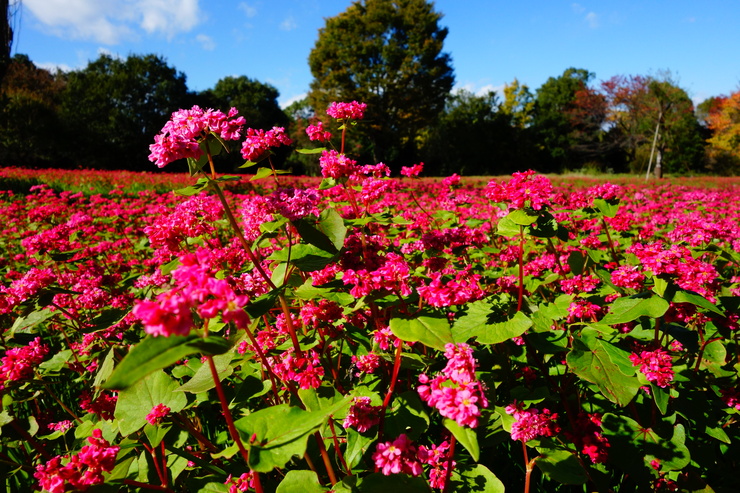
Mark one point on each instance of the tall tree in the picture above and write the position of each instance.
(518, 103)
(388, 54)
(724, 122)
(6, 36)
(29, 115)
(113, 108)
(657, 123)
(553, 124)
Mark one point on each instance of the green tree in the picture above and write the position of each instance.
(471, 137)
(113, 108)
(555, 102)
(657, 124)
(388, 54)
(29, 115)
(519, 104)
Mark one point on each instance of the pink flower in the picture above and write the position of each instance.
(258, 142)
(242, 483)
(347, 111)
(397, 457)
(19, 363)
(157, 414)
(655, 365)
(532, 423)
(587, 436)
(362, 415)
(84, 469)
(412, 171)
(437, 458)
(526, 189)
(366, 363)
(335, 165)
(317, 132)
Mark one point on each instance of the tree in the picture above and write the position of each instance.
(6, 35)
(724, 121)
(553, 119)
(29, 115)
(518, 103)
(388, 54)
(113, 108)
(471, 137)
(655, 118)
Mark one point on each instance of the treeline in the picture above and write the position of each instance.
(105, 116)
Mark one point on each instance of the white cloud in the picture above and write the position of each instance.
(110, 21)
(54, 67)
(578, 8)
(478, 90)
(249, 10)
(206, 42)
(288, 24)
(592, 19)
(284, 104)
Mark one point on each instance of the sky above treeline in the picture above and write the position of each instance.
(491, 42)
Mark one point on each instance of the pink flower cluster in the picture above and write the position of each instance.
(655, 365)
(22, 289)
(19, 362)
(362, 415)
(157, 414)
(336, 165)
(242, 483)
(83, 470)
(587, 437)
(455, 392)
(532, 423)
(412, 171)
(346, 111)
(196, 288)
(305, 370)
(317, 132)
(398, 456)
(463, 289)
(527, 189)
(294, 203)
(678, 262)
(258, 142)
(437, 458)
(181, 135)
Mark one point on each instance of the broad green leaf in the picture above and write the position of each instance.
(316, 150)
(155, 353)
(357, 446)
(266, 172)
(407, 414)
(275, 434)
(625, 310)
(307, 291)
(432, 331)
(58, 361)
(23, 324)
(300, 482)
(630, 440)
(203, 378)
(307, 258)
(607, 207)
(263, 304)
(466, 436)
(522, 217)
(661, 397)
(378, 483)
(561, 466)
(483, 323)
(475, 478)
(683, 296)
(591, 361)
(135, 402)
(507, 227)
(105, 369)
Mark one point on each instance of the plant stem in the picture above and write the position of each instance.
(529, 466)
(521, 269)
(325, 458)
(227, 413)
(448, 472)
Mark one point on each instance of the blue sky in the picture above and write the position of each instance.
(491, 42)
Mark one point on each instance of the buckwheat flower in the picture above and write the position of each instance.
(362, 415)
(451, 181)
(258, 142)
(398, 456)
(436, 457)
(169, 315)
(588, 438)
(242, 483)
(655, 365)
(294, 203)
(412, 171)
(317, 132)
(335, 165)
(157, 414)
(346, 111)
(306, 370)
(731, 397)
(366, 363)
(532, 423)
(61, 425)
(19, 362)
(627, 276)
(527, 189)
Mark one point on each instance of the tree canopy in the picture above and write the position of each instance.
(388, 54)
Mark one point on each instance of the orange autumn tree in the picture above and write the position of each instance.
(724, 122)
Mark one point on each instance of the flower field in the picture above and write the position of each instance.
(360, 333)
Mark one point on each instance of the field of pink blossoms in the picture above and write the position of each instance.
(371, 335)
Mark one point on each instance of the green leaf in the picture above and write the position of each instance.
(135, 402)
(155, 353)
(592, 361)
(300, 482)
(407, 415)
(203, 379)
(466, 436)
(430, 330)
(307, 258)
(307, 291)
(316, 150)
(378, 483)
(475, 478)
(357, 446)
(484, 323)
(263, 304)
(683, 296)
(23, 324)
(195, 165)
(507, 227)
(267, 172)
(275, 434)
(58, 361)
(625, 310)
(607, 207)
(522, 217)
(661, 397)
(195, 189)
(561, 466)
